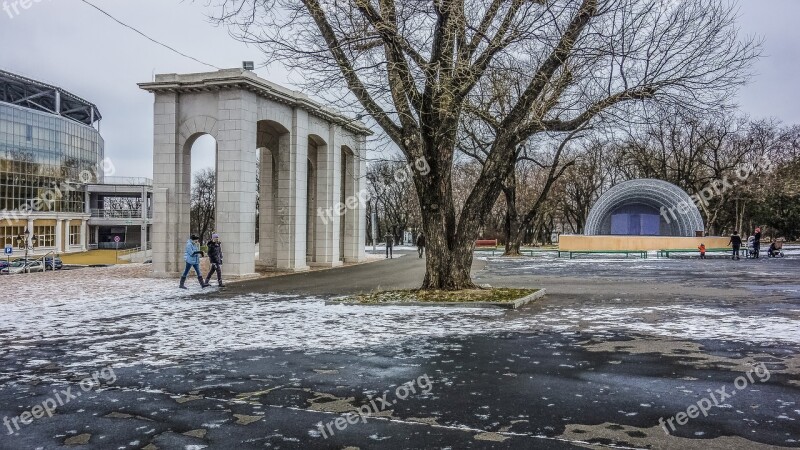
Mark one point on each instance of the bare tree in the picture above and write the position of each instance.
(413, 66)
(204, 196)
(392, 193)
(594, 171)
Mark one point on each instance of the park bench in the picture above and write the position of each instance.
(640, 253)
(666, 253)
(486, 244)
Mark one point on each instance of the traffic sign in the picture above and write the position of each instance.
(116, 239)
(9, 250)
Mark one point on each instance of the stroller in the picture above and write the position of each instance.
(751, 247)
(775, 249)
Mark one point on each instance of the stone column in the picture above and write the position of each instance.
(266, 208)
(351, 208)
(361, 206)
(290, 211)
(97, 235)
(30, 234)
(170, 188)
(59, 236)
(236, 180)
(328, 192)
(84, 229)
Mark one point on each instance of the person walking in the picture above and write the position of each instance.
(757, 242)
(702, 249)
(192, 256)
(421, 244)
(215, 258)
(736, 242)
(389, 245)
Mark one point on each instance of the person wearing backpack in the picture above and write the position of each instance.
(215, 258)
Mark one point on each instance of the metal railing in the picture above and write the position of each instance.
(116, 245)
(120, 213)
(129, 181)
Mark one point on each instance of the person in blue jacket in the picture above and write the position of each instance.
(192, 256)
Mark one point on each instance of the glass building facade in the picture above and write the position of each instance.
(49, 151)
(44, 160)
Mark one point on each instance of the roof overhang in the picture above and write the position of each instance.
(232, 79)
(25, 92)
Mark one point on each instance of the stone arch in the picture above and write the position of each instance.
(249, 116)
(677, 212)
(196, 126)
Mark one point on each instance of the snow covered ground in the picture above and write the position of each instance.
(118, 316)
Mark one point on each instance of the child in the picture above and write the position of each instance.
(702, 249)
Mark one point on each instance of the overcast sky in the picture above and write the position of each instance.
(69, 44)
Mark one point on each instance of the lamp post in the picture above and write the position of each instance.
(22, 241)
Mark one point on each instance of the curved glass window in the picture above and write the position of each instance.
(44, 161)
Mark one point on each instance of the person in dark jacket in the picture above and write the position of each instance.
(215, 258)
(192, 256)
(421, 244)
(736, 242)
(389, 245)
(757, 242)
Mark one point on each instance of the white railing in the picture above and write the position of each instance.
(131, 181)
(120, 213)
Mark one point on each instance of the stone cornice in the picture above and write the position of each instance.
(230, 79)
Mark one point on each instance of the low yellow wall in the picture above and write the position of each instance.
(576, 242)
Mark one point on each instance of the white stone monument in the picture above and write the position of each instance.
(312, 166)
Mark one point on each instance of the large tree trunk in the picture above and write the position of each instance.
(512, 225)
(449, 258)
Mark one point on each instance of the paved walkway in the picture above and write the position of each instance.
(617, 346)
(403, 272)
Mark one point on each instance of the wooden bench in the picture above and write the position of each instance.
(640, 253)
(486, 244)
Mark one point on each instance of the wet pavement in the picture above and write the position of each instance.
(617, 348)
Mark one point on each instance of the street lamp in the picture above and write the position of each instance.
(22, 241)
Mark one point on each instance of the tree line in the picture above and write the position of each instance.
(742, 173)
(434, 75)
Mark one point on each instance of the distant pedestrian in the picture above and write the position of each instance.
(702, 249)
(389, 245)
(192, 256)
(736, 242)
(215, 258)
(757, 242)
(421, 244)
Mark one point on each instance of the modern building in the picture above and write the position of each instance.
(54, 195)
(50, 147)
(121, 209)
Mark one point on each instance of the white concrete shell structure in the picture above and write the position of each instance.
(678, 214)
(312, 165)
